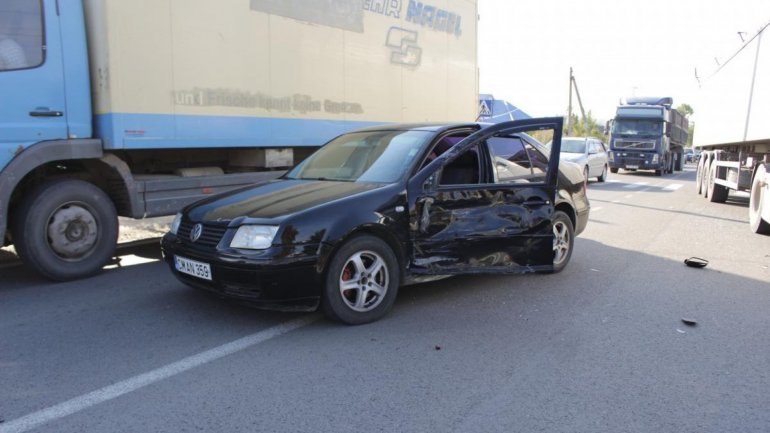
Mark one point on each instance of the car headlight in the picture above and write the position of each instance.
(253, 237)
(175, 224)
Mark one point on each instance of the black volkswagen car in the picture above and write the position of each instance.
(382, 207)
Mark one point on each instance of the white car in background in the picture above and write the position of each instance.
(587, 152)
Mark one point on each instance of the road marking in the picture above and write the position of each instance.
(77, 404)
(673, 187)
(629, 196)
(597, 209)
(635, 185)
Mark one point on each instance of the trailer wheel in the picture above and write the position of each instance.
(758, 201)
(705, 175)
(716, 193)
(699, 177)
(66, 229)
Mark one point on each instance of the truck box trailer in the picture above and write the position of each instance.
(733, 131)
(136, 108)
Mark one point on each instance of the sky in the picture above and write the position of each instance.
(617, 48)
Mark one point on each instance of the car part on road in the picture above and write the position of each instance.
(696, 262)
(689, 322)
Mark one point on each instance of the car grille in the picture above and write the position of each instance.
(210, 235)
(634, 144)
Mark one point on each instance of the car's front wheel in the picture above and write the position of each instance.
(362, 281)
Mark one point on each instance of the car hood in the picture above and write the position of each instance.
(275, 199)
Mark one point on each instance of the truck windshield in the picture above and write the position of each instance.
(632, 127)
(377, 156)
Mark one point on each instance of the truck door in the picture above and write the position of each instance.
(486, 205)
(32, 101)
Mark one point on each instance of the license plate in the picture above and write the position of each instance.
(191, 267)
(632, 167)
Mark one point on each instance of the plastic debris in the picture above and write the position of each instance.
(689, 322)
(696, 262)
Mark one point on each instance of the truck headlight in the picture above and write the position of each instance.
(175, 224)
(611, 156)
(655, 159)
(252, 237)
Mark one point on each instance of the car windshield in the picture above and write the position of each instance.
(376, 156)
(637, 127)
(573, 145)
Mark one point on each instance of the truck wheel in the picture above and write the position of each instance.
(699, 177)
(658, 172)
(362, 281)
(705, 176)
(66, 229)
(613, 170)
(759, 201)
(716, 193)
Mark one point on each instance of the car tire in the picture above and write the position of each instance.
(361, 282)
(66, 229)
(563, 240)
(602, 177)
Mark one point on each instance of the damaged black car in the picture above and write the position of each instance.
(381, 207)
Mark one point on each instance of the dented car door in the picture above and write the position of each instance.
(486, 204)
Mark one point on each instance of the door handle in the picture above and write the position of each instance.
(46, 113)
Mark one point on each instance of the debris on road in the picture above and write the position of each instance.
(689, 322)
(696, 262)
(438, 347)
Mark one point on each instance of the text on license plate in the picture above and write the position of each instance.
(632, 167)
(191, 267)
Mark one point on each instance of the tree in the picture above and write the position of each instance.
(587, 127)
(685, 109)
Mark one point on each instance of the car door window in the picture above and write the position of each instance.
(510, 160)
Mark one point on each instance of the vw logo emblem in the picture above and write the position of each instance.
(196, 231)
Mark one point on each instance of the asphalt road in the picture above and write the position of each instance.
(599, 347)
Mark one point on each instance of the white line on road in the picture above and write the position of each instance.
(77, 404)
(673, 187)
(629, 196)
(635, 185)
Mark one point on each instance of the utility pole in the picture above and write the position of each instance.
(573, 83)
(569, 107)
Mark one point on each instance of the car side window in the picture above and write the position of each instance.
(510, 159)
(21, 34)
(539, 163)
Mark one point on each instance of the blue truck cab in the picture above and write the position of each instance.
(647, 134)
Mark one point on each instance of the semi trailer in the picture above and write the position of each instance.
(733, 132)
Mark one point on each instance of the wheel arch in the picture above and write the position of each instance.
(65, 159)
(376, 230)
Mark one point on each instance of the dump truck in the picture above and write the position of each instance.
(137, 108)
(733, 132)
(647, 134)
